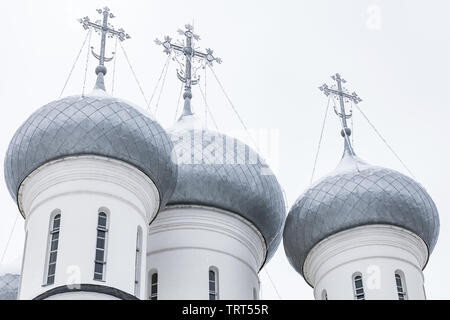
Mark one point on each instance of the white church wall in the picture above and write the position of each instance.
(186, 241)
(376, 252)
(78, 187)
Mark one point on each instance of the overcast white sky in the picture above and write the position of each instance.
(393, 53)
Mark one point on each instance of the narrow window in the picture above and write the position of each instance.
(154, 286)
(401, 290)
(213, 284)
(358, 287)
(324, 295)
(100, 250)
(53, 248)
(137, 276)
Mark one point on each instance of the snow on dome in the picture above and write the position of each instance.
(353, 195)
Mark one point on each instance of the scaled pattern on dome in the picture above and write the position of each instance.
(218, 171)
(352, 198)
(9, 284)
(91, 125)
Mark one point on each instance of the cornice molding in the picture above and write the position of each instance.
(365, 236)
(85, 168)
(196, 217)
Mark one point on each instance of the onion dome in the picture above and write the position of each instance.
(218, 171)
(357, 194)
(94, 124)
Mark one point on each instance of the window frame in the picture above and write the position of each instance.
(402, 293)
(52, 250)
(102, 212)
(138, 262)
(357, 276)
(153, 284)
(213, 294)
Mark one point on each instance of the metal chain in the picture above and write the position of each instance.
(75, 62)
(384, 140)
(320, 140)
(87, 62)
(159, 78)
(162, 86)
(134, 75)
(207, 107)
(273, 284)
(178, 102)
(114, 68)
(234, 108)
(9, 239)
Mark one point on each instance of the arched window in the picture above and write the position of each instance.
(324, 295)
(137, 267)
(400, 283)
(55, 223)
(358, 286)
(213, 284)
(154, 286)
(100, 249)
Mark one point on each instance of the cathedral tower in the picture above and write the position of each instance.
(361, 232)
(88, 173)
(225, 218)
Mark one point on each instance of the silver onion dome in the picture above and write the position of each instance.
(95, 124)
(217, 171)
(353, 195)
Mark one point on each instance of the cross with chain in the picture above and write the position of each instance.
(105, 29)
(189, 53)
(343, 95)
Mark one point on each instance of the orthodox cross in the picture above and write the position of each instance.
(106, 30)
(190, 54)
(341, 93)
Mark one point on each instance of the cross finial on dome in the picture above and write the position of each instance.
(337, 91)
(104, 28)
(193, 60)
